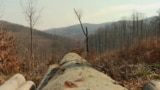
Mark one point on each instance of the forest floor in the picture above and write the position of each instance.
(131, 67)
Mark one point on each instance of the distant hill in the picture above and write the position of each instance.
(16, 28)
(75, 30)
(23, 31)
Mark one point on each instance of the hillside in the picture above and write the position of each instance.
(123, 33)
(44, 43)
(20, 28)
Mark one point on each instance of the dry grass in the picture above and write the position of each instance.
(131, 67)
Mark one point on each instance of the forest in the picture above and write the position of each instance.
(127, 50)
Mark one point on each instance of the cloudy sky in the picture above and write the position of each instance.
(59, 13)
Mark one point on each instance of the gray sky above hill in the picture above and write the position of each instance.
(59, 13)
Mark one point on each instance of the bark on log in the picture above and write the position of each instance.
(152, 85)
(74, 73)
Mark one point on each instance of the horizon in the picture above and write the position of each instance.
(93, 11)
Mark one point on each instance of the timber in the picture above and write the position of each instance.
(75, 73)
(18, 82)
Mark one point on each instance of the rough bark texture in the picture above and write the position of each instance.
(74, 73)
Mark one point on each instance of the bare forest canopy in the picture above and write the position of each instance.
(114, 35)
(124, 33)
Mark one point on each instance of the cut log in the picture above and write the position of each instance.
(13, 83)
(152, 85)
(74, 73)
(28, 85)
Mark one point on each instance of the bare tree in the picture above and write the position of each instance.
(158, 22)
(32, 15)
(1, 12)
(85, 30)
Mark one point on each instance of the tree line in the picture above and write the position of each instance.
(122, 34)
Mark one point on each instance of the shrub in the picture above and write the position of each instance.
(9, 62)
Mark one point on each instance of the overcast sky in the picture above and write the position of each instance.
(59, 13)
